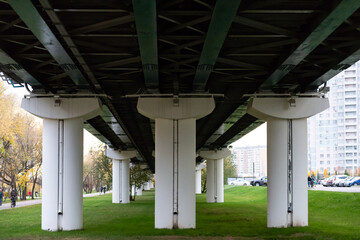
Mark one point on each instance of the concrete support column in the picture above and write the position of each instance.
(146, 186)
(120, 181)
(62, 205)
(198, 181)
(215, 174)
(139, 191)
(121, 174)
(287, 156)
(175, 128)
(175, 179)
(198, 169)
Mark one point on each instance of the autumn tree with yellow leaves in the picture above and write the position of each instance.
(20, 145)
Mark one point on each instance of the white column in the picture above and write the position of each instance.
(133, 190)
(73, 175)
(139, 191)
(125, 181)
(215, 173)
(198, 181)
(62, 205)
(121, 178)
(147, 186)
(277, 205)
(287, 156)
(198, 169)
(116, 186)
(175, 128)
(300, 195)
(175, 180)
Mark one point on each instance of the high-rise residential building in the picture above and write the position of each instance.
(250, 161)
(333, 134)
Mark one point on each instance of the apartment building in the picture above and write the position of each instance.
(250, 160)
(333, 134)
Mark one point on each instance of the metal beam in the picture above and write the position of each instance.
(145, 20)
(31, 17)
(262, 26)
(103, 25)
(117, 62)
(187, 24)
(101, 126)
(221, 20)
(257, 47)
(177, 22)
(8, 64)
(328, 25)
(240, 64)
(112, 110)
(11, 24)
(334, 70)
(243, 122)
(182, 46)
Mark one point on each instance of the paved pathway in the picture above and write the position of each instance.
(336, 189)
(38, 201)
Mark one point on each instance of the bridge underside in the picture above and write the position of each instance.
(118, 49)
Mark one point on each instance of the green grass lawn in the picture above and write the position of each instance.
(243, 216)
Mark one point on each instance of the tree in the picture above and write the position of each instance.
(229, 168)
(20, 144)
(325, 173)
(35, 173)
(357, 171)
(29, 151)
(138, 177)
(88, 177)
(203, 180)
(346, 172)
(98, 172)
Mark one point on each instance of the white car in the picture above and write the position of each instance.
(240, 182)
(338, 178)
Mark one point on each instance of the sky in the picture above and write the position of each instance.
(255, 138)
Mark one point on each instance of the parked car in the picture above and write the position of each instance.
(348, 181)
(341, 183)
(240, 182)
(328, 182)
(323, 181)
(331, 181)
(259, 182)
(338, 178)
(355, 182)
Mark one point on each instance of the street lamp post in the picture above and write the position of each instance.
(253, 170)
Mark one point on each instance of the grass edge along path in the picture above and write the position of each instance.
(243, 215)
